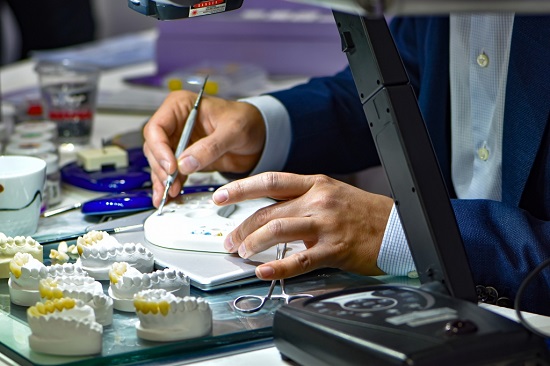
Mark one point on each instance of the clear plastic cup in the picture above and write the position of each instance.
(69, 94)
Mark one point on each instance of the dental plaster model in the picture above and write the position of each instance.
(26, 273)
(164, 317)
(10, 246)
(98, 251)
(64, 327)
(127, 281)
(83, 288)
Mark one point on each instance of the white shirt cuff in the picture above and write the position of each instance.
(278, 133)
(395, 257)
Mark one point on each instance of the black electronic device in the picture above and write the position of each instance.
(438, 323)
(394, 325)
(179, 9)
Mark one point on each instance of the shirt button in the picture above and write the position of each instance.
(482, 60)
(483, 153)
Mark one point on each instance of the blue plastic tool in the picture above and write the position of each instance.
(135, 176)
(124, 203)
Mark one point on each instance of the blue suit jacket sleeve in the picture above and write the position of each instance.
(504, 240)
(330, 134)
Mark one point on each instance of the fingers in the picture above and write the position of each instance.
(295, 264)
(161, 134)
(162, 131)
(340, 225)
(209, 149)
(230, 138)
(280, 186)
(272, 232)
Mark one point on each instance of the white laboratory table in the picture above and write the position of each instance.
(108, 124)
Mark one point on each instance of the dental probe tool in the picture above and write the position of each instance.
(184, 140)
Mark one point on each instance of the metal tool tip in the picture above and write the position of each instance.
(161, 207)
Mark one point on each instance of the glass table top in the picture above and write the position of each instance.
(121, 345)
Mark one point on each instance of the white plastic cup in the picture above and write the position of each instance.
(22, 180)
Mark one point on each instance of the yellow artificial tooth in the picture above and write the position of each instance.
(79, 249)
(57, 293)
(68, 303)
(164, 307)
(48, 283)
(117, 270)
(113, 277)
(46, 287)
(41, 308)
(58, 304)
(50, 308)
(33, 311)
(45, 293)
(154, 307)
(15, 269)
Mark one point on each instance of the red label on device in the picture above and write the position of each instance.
(68, 115)
(207, 7)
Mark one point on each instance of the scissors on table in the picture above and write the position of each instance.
(261, 300)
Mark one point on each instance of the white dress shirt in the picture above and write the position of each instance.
(479, 55)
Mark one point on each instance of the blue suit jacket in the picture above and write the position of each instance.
(504, 240)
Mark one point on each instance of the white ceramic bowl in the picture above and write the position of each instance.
(22, 180)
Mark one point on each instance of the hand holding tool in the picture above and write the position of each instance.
(184, 141)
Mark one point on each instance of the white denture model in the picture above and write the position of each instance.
(98, 251)
(26, 273)
(83, 288)
(10, 246)
(64, 327)
(164, 317)
(127, 281)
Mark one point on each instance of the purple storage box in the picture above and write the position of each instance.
(284, 38)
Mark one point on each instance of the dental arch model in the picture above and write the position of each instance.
(31, 281)
(98, 251)
(65, 327)
(26, 272)
(127, 281)
(83, 288)
(164, 317)
(10, 246)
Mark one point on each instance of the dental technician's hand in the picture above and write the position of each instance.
(228, 136)
(341, 226)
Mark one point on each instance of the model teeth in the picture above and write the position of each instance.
(41, 309)
(25, 265)
(57, 287)
(98, 251)
(126, 281)
(92, 238)
(64, 326)
(26, 273)
(83, 288)
(58, 256)
(10, 246)
(116, 271)
(8, 242)
(166, 317)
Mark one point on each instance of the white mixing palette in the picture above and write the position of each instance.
(194, 222)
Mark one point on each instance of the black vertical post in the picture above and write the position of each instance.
(406, 152)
